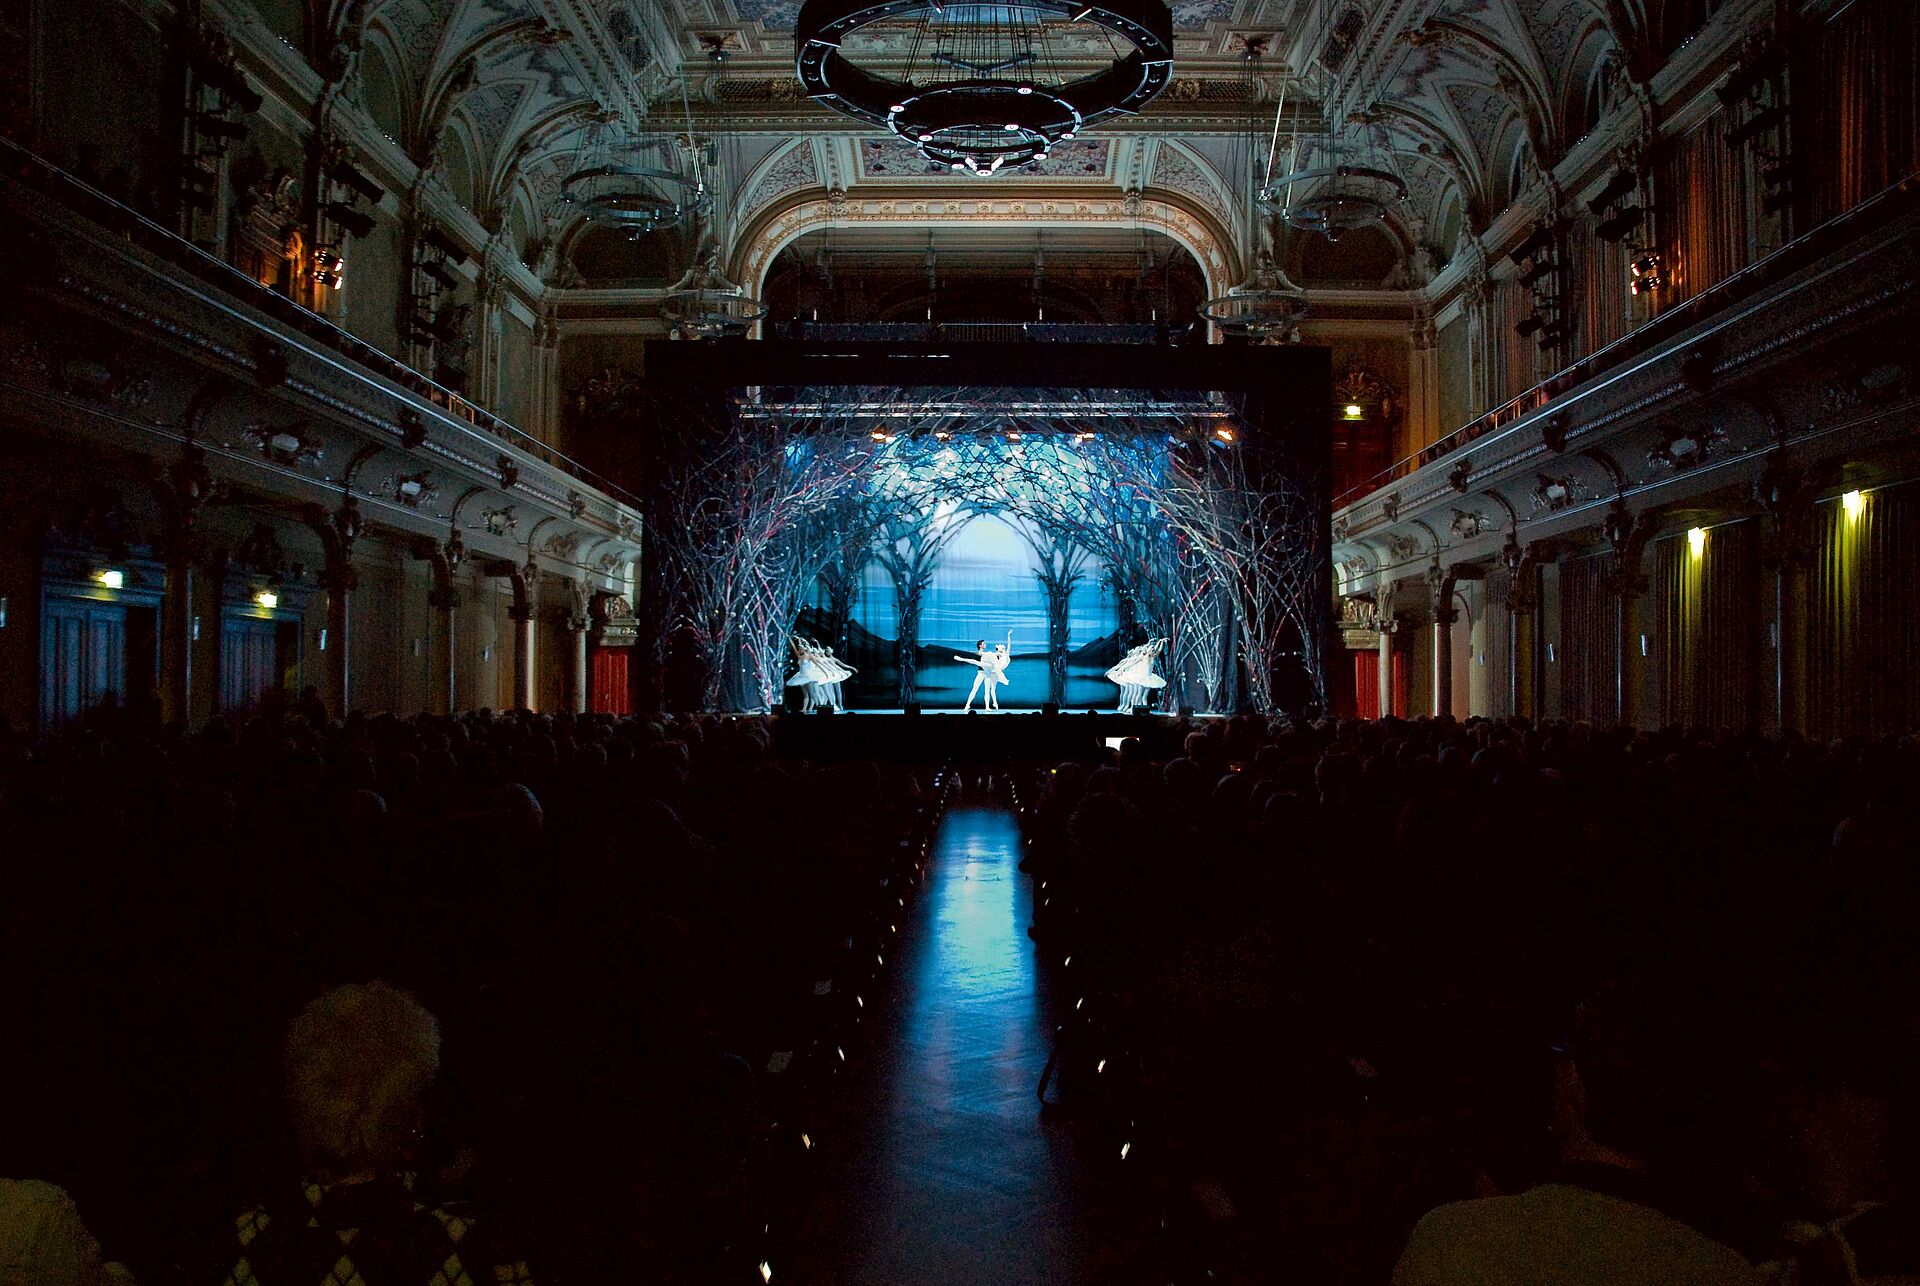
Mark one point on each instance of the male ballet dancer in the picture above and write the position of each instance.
(980, 661)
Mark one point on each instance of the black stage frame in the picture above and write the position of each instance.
(1286, 391)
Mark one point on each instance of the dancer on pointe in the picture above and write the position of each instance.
(810, 676)
(992, 663)
(838, 671)
(1135, 675)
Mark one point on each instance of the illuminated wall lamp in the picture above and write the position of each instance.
(1853, 502)
(111, 577)
(1353, 411)
(1697, 540)
(267, 599)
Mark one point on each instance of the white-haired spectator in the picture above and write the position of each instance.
(359, 1061)
(42, 1240)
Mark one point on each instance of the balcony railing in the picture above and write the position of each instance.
(989, 332)
(1802, 252)
(82, 199)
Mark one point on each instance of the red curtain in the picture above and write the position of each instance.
(1864, 103)
(1702, 204)
(607, 690)
(1366, 684)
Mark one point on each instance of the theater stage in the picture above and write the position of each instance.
(948, 736)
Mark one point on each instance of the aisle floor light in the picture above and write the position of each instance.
(1697, 540)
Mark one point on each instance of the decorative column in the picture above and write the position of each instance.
(575, 623)
(1387, 627)
(183, 490)
(521, 613)
(338, 531)
(445, 560)
(1423, 387)
(1787, 493)
(1441, 583)
(546, 380)
(1627, 534)
(1523, 567)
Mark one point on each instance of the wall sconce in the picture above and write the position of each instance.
(1697, 540)
(1353, 411)
(111, 577)
(1853, 502)
(267, 599)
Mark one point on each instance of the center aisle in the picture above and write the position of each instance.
(947, 1173)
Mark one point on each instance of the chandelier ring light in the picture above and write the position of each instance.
(989, 120)
(1337, 198)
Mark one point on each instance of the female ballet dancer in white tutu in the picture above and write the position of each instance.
(839, 671)
(1135, 675)
(993, 671)
(811, 677)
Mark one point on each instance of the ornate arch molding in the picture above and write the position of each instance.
(775, 229)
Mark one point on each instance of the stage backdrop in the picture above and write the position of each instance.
(983, 587)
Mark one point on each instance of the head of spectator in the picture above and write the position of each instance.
(358, 1063)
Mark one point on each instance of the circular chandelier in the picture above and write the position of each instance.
(704, 304)
(983, 86)
(1266, 307)
(1333, 199)
(635, 185)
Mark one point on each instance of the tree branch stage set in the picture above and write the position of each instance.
(779, 474)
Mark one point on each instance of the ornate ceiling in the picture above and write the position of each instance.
(1471, 101)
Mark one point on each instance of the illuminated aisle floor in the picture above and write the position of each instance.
(945, 1172)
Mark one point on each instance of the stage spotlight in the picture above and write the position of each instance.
(356, 178)
(1013, 435)
(1527, 326)
(354, 223)
(1552, 334)
(1535, 246)
(1757, 124)
(214, 125)
(439, 273)
(1621, 224)
(1224, 433)
(1541, 268)
(1622, 183)
(445, 245)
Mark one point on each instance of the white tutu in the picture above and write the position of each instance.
(809, 673)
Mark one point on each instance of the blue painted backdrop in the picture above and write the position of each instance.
(984, 586)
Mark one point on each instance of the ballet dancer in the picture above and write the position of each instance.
(996, 666)
(838, 671)
(980, 679)
(809, 676)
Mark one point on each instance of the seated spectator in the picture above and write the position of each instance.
(1602, 1219)
(358, 1063)
(43, 1242)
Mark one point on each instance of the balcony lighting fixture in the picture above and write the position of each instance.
(1354, 411)
(267, 599)
(111, 577)
(1853, 502)
(1697, 540)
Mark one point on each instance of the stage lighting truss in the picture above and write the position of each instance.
(980, 88)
